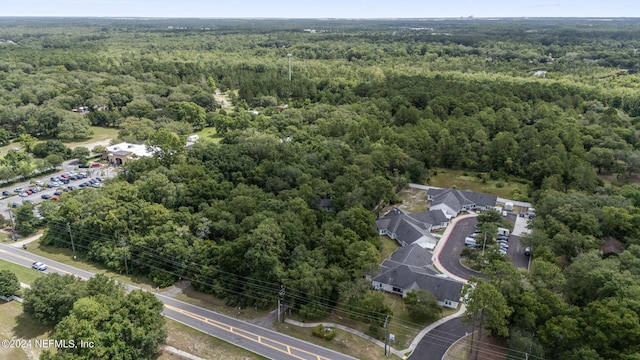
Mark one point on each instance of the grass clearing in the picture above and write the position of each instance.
(344, 342)
(15, 324)
(467, 180)
(25, 275)
(388, 247)
(194, 342)
(402, 326)
(490, 348)
(210, 302)
(99, 134)
(413, 200)
(209, 134)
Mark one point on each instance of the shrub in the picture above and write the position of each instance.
(326, 333)
(375, 331)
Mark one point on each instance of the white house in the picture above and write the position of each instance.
(119, 154)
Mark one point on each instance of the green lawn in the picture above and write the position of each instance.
(344, 342)
(210, 302)
(202, 345)
(99, 134)
(25, 275)
(14, 324)
(467, 180)
(388, 247)
(209, 134)
(401, 325)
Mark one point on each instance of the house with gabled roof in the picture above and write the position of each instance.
(453, 201)
(414, 228)
(410, 268)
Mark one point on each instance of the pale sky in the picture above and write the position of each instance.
(322, 8)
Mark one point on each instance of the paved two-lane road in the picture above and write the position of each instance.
(267, 343)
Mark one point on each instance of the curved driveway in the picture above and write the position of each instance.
(435, 344)
(449, 255)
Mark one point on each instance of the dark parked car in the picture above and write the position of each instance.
(45, 196)
(84, 166)
(57, 193)
(6, 193)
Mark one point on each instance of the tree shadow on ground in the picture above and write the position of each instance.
(29, 328)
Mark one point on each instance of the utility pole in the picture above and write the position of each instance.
(386, 337)
(124, 253)
(484, 243)
(13, 224)
(281, 294)
(480, 335)
(473, 330)
(73, 246)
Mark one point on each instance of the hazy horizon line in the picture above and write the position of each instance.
(320, 18)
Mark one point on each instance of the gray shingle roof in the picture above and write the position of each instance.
(456, 199)
(431, 217)
(414, 255)
(410, 227)
(404, 276)
(443, 288)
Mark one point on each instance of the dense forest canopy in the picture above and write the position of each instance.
(359, 109)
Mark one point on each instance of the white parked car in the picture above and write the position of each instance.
(39, 266)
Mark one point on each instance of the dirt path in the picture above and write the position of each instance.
(223, 99)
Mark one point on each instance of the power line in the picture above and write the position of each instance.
(158, 258)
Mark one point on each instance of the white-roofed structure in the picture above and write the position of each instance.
(119, 154)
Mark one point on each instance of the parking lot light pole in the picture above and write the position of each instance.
(484, 243)
(13, 224)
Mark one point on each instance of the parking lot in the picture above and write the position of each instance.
(450, 256)
(51, 186)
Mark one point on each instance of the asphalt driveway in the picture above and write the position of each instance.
(436, 343)
(449, 257)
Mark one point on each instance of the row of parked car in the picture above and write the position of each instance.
(477, 241)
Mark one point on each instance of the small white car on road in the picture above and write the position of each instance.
(39, 266)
